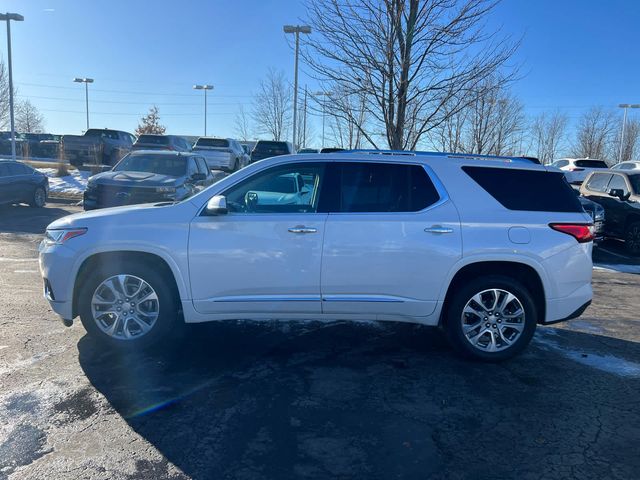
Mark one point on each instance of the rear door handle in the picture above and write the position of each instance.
(438, 229)
(302, 229)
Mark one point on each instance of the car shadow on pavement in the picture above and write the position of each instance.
(25, 219)
(343, 400)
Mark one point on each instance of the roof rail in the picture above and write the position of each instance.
(444, 154)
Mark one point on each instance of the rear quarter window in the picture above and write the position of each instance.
(591, 164)
(528, 190)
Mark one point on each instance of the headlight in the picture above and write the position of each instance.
(166, 189)
(60, 235)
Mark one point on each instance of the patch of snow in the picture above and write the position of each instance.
(72, 184)
(606, 363)
(617, 267)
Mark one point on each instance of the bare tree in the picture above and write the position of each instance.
(630, 142)
(548, 133)
(408, 58)
(150, 123)
(4, 97)
(347, 118)
(594, 133)
(243, 125)
(272, 106)
(28, 118)
(495, 120)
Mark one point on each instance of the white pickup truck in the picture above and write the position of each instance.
(221, 153)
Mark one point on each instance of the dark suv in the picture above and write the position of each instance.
(619, 195)
(147, 177)
(270, 148)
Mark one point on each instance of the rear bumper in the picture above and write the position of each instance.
(579, 311)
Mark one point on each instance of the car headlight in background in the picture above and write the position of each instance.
(61, 235)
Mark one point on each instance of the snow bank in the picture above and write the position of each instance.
(72, 184)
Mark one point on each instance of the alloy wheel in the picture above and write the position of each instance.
(125, 307)
(493, 320)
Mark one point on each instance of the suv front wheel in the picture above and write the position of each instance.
(491, 318)
(128, 307)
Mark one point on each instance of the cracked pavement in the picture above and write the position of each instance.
(268, 400)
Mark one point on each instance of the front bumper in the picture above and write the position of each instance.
(56, 264)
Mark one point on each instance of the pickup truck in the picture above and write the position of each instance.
(221, 153)
(97, 146)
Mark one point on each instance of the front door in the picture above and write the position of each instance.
(265, 254)
(390, 240)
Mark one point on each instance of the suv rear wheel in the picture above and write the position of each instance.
(128, 306)
(491, 318)
(39, 198)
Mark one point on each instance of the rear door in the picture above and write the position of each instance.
(391, 238)
(7, 193)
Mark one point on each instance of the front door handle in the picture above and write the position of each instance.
(438, 229)
(302, 229)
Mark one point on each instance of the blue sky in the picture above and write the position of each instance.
(575, 53)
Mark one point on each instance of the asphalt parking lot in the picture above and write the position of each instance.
(289, 400)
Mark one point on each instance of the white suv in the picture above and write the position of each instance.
(484, 248)
(577, 169)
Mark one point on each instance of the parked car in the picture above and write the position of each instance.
(597, 214)
(308, 150)
(40, 145)
(149, 141)
(376, 237)
(221, 153)
(270, 148)
(331, 149)
(618, 192)
(19, 183)
(629, 165)
(97, 146)
(246, 156)
(577, 169)
(146, 177)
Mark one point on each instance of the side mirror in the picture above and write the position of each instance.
(618, 193)
(198, 177)
(217, 205)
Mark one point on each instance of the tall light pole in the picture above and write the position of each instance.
(86, 82)
(7, 17)
(297, 30)
(322, 94)
(624, 106)
(205, 88)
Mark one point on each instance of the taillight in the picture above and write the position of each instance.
(582, 232)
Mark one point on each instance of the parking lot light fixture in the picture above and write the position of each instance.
(296, 30)
(624, 106)
(7, 17)
(205, 88)
(86, 82)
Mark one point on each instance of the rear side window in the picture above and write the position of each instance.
(560, 163)
(377, 187)
(530, 190)
(598, 182)
(591, 164)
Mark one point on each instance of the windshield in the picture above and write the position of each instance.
(172, 165)
(153, 139)
(635, 183)
(212, 142)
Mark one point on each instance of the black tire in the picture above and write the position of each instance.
(169, 325)
(233, 167)
(39, 198)
(632, 238)
(453, 323)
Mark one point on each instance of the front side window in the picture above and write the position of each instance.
(560, 163)
(377, 188)
(598, 182)
(617, 182)
(634, 180)
(284, 189)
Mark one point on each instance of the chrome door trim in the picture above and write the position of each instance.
(363, 298)
(265, 298)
